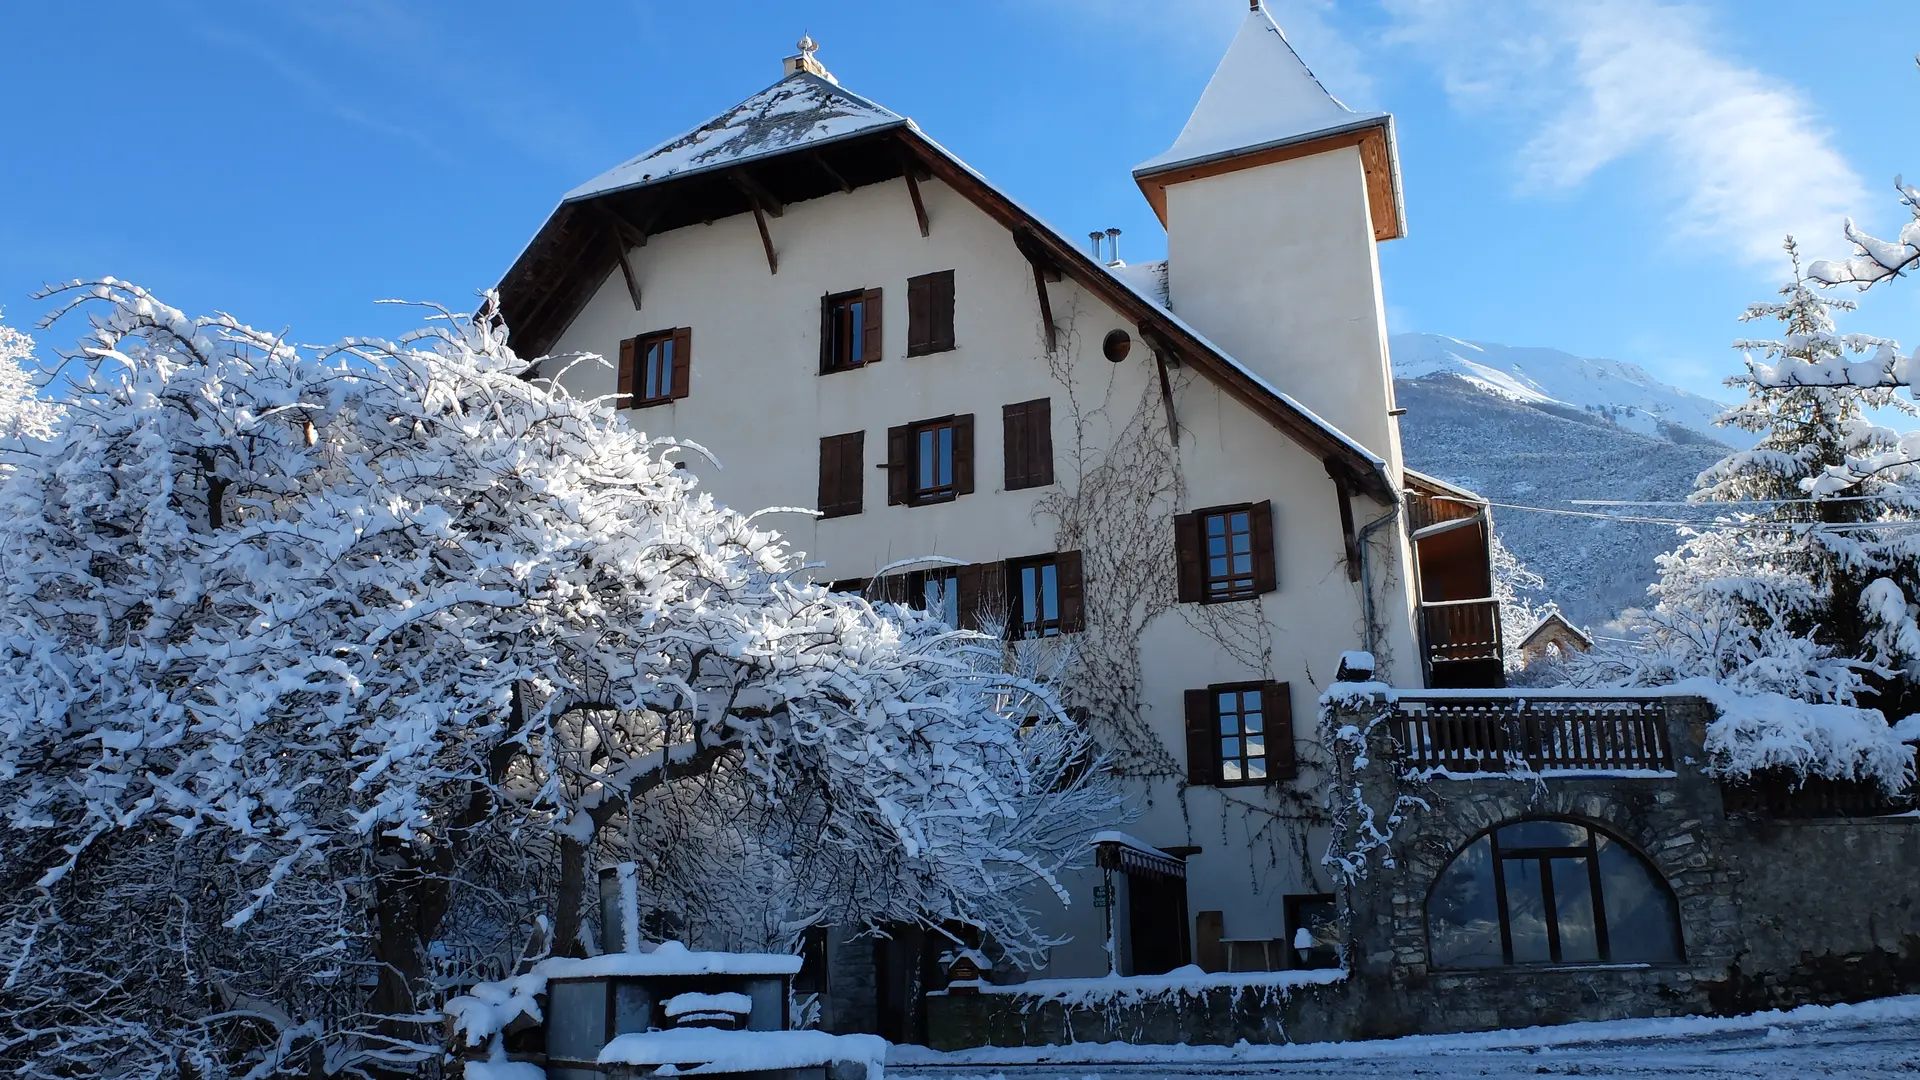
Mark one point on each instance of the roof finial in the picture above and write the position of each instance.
(1253, 4)
(804, 60)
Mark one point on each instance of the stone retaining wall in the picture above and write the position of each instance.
(1773, 913)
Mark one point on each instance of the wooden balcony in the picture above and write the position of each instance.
(1548, 735)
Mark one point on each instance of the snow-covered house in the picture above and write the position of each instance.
(1195, 489)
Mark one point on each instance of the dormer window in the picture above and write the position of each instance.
(849, 330)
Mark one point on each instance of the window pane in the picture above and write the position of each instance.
(1229, 702)
(1230, 769)
(856, 320)
(578, 1025)
(926, 461)
(1538, 834)
(1256, 768)
(1250, 700)
(1256, 746)
(1250, 723)
(1230, 747)
(1463, 914)
(1642, 925)
(1526, 911)
(666, 369)
(1573, 911)
(1216, 528)
(945, 470)
(1050, 593)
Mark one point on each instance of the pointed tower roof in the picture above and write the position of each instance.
(1264, 104)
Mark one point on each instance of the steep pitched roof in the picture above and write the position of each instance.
(702, 174)
(1263, 105)
(1261, 95)
(801, 110)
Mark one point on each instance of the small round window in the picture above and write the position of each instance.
(1116, 346)
(1550, 892)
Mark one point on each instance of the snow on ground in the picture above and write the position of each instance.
(1869, 1040)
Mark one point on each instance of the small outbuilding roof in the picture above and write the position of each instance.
(1550, 620)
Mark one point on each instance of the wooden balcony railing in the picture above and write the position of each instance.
(1547, 735)
(1461, 630)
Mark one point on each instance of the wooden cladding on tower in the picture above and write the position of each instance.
(842, 480)
(654, 368)
(1240, 733)
(1028, 443)
(930, 313)
(1225, 553)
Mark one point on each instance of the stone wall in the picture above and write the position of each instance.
(1773, 912)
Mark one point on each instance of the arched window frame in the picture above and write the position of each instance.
(1498, 857)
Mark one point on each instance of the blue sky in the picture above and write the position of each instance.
(1608, 177)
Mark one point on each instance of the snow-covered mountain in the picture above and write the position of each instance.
(1541, 428)
(1622, 393)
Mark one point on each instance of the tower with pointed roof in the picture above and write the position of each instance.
(1273, 197)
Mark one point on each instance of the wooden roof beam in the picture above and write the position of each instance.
(761, 198)
(1043, 268)
(821, 161)
(910, 166)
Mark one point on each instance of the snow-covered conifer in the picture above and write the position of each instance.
(332, 677)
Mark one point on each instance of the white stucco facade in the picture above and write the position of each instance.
(758, 402)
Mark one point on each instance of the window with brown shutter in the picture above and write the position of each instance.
(1035, 597)
(1240, 733)
(654, 368)
(1225, 553)
(930, 313)
(1028, 430)
(850, 330)
(842, 481)
(930, 461)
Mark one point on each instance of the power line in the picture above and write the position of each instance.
(1683, 523)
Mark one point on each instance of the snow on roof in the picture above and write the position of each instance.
(800, 110)
(1262, 95)
(668, 958)
(1552, 617)
(1149, 279)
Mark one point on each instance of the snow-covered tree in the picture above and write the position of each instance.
(1803, 586)
(1516, 588)
(332, 676)
(23, 412)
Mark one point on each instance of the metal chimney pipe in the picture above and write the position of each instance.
(1095, 236)
(1113, 240)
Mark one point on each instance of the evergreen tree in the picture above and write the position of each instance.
(1804, 584)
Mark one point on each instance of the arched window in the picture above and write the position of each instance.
(1550, 892)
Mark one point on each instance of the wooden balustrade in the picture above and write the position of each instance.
(1547, 736)
(1461, 630)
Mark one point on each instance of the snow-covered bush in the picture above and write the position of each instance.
(330, 676)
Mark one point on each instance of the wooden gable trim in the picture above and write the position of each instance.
(1375, 159)
(1183, 346)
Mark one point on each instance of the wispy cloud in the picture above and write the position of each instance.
(1740, 155)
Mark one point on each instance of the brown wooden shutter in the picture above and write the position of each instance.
(1028, 435)
(899, 465)
(919, 320)
(963, 454)
(826, 333)
(981, 593)
(1190, 564)
(1073, 592)
(871, 340)
(624, 375)
(1278, 700)
(841, 478)
(1266, 576)
(940, 311)
(682, 361)
(1203, 745)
